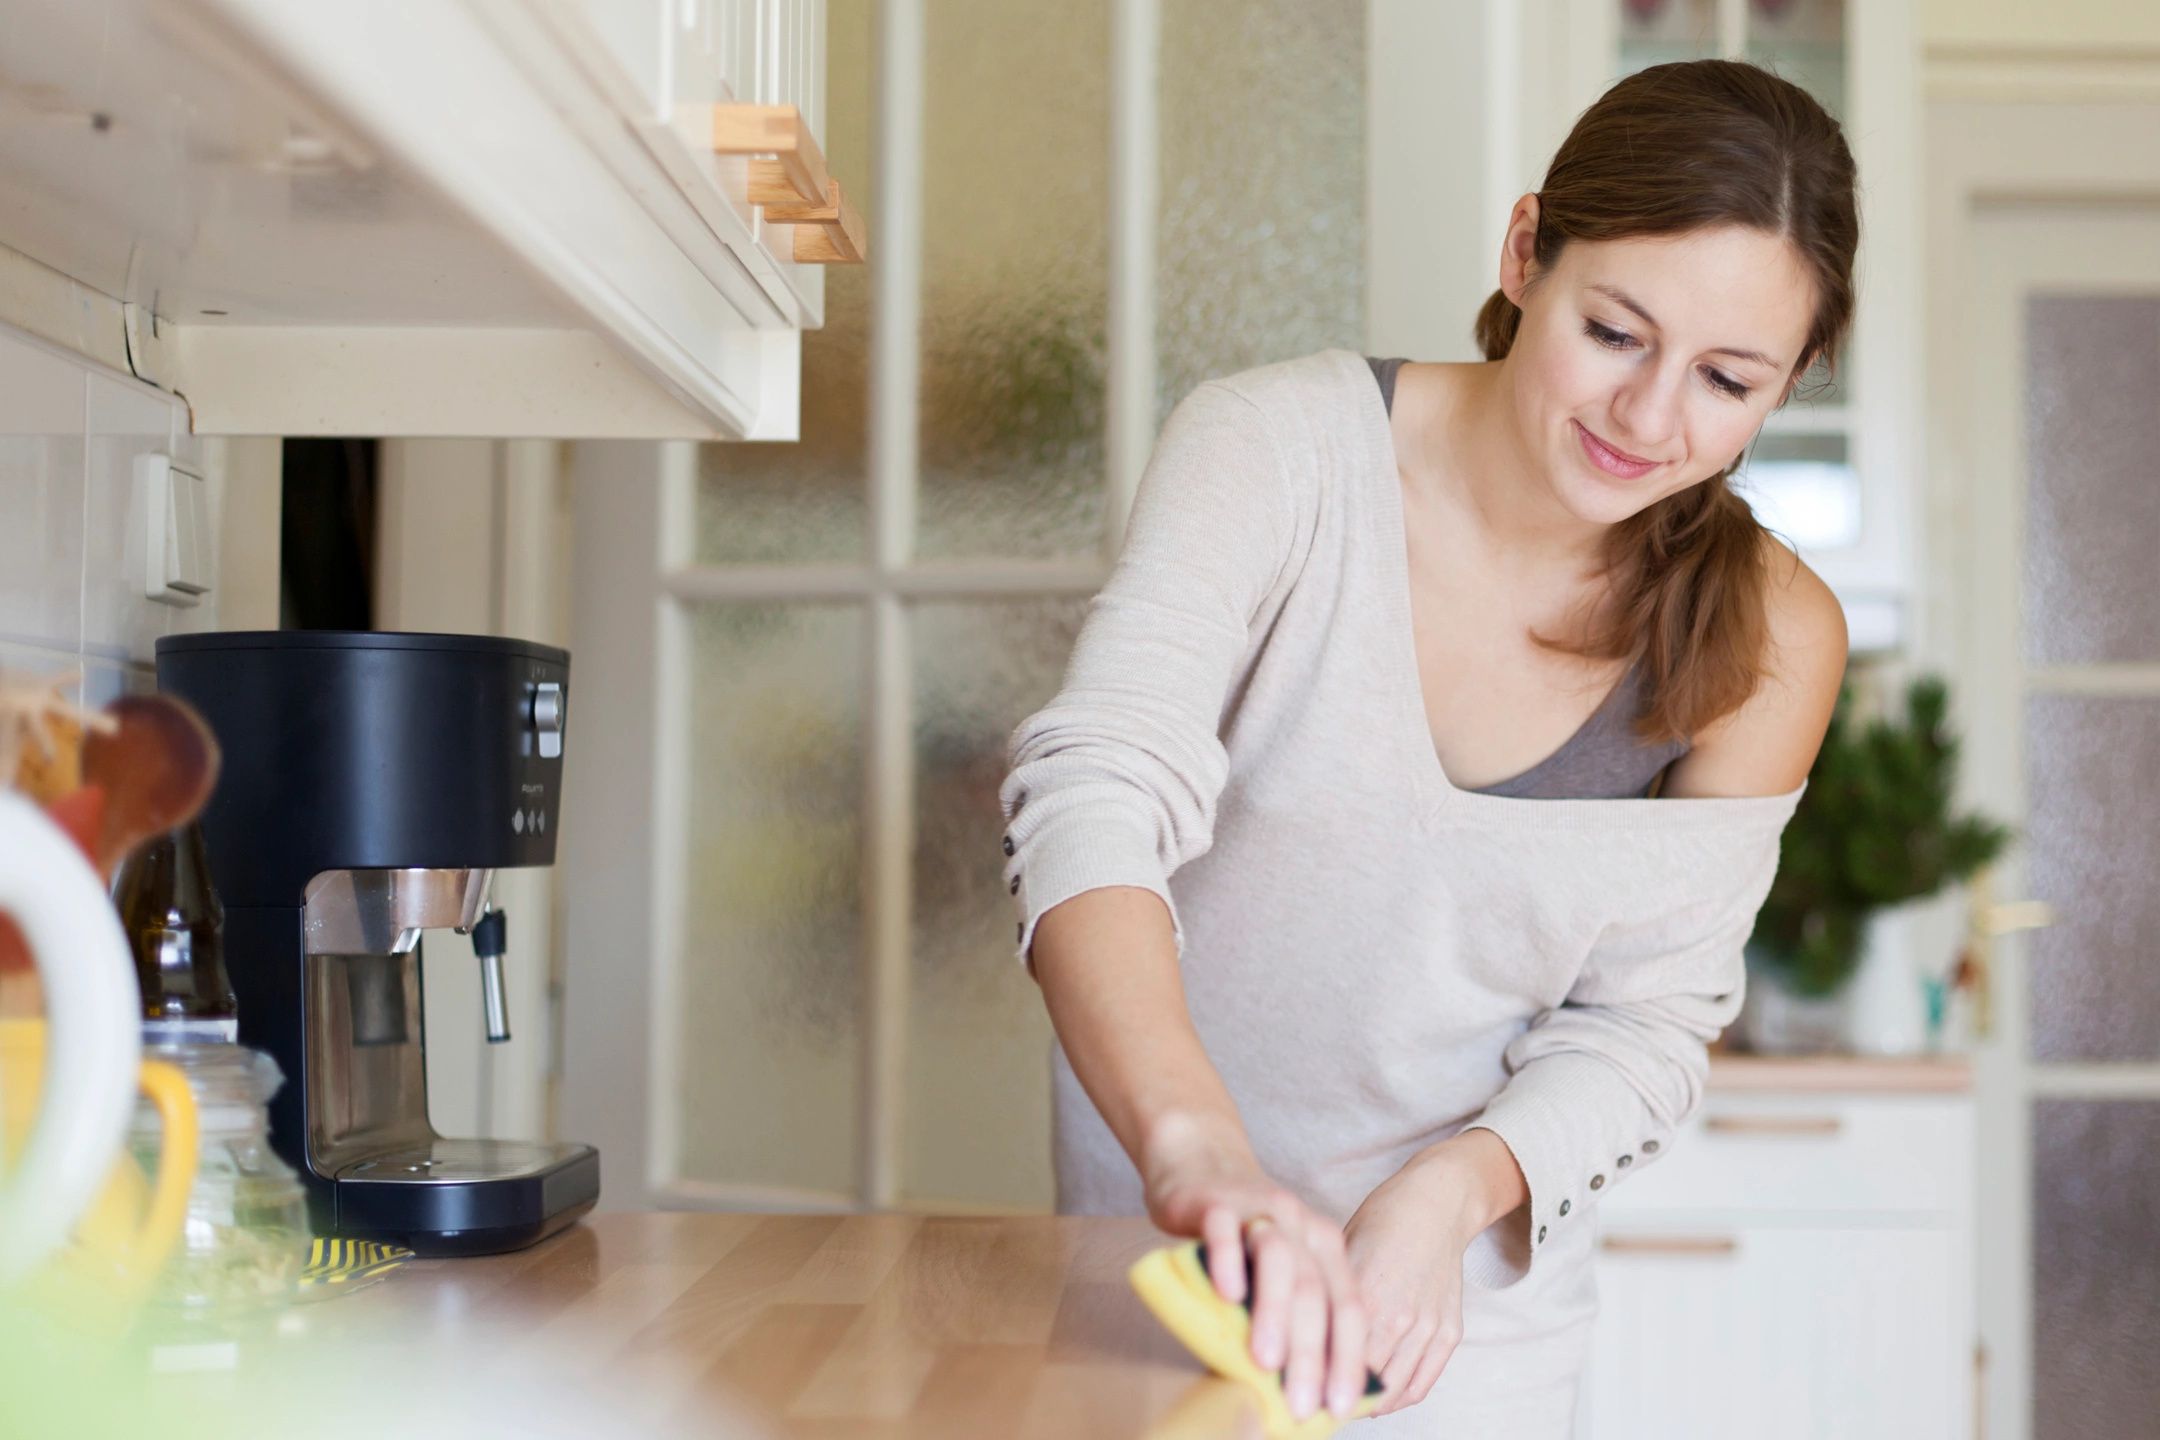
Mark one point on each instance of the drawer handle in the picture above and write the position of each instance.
(1773, 1124)
(1711, 1246)
(792, 184)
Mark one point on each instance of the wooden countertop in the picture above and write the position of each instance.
(870, 1327)
(1924, 1074)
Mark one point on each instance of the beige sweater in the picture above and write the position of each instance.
(1374, 958)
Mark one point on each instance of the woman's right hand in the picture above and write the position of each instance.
(1308, 1315)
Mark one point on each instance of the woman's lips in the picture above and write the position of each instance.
(1611, 461)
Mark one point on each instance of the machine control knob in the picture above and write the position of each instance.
(547, 718)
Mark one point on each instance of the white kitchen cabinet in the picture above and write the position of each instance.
(1793, 1333)
(415, 217)
(1797, 1265)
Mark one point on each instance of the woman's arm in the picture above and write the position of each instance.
(1107, 964)
(1112, 787)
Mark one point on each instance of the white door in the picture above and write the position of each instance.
(2059, 598)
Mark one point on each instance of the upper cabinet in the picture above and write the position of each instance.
(428, 217)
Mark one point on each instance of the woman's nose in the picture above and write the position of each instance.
(1647, 412)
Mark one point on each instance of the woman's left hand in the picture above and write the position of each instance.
(1405, 1245)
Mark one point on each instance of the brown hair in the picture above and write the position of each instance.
(1670, 150)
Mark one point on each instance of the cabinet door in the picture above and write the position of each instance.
(1797, 1333)
(758, 52)
(636, 32)
(700, 53)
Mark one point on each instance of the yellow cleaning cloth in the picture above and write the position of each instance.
(340, 1262)
(1174, 1283)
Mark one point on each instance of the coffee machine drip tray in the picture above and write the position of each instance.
(450, 1161)
(466, 1197)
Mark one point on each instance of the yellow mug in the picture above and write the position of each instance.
(123, 1240)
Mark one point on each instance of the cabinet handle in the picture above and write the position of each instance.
(1705, 1245)
(1773, 1124)
(778, 131)
(827, 234)
(792, 183)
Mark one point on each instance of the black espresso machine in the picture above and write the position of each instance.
(372, 785)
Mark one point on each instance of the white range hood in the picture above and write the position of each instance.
(424, 217)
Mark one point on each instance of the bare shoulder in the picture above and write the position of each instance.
(1767, 746)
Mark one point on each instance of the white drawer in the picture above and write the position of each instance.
(1812, 1152)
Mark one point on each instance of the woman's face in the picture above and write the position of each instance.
(1629, 344)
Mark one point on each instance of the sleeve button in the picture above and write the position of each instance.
(1597, 1182)
(1541, 1234)
(1565, 1206)
(1624, 1161)
(1008, 845)
(1020, 932)
(1015, 886)
(1649, 1147)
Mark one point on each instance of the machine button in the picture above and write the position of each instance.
(547, 718)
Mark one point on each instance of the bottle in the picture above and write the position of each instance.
(175, 925)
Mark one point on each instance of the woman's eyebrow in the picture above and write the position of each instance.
(1621, 297)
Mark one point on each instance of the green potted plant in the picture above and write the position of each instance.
(1874, 835)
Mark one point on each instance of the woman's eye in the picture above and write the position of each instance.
(1615, 340)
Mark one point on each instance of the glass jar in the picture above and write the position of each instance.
(246, 1235)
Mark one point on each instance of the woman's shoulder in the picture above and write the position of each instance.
(1767, 746)
(1322, 381)
(1806, 620)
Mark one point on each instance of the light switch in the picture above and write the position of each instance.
(175, 530)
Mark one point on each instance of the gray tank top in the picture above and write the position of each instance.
(1605, 759)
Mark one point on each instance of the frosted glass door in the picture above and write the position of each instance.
(2064, 710)
(833, 639)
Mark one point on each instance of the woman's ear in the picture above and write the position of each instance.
(1519, 247)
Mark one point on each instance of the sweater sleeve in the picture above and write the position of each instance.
(1598, 1086)
(1115, 780)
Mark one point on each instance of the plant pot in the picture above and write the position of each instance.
(1889, 989)
(1881, 1009)
(1775, 1019)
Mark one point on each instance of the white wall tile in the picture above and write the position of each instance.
(105, 681)
(125, 420)
(21, 659)
(41, 495)
(72, 525)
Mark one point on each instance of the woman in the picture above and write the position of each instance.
(1468, 702)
